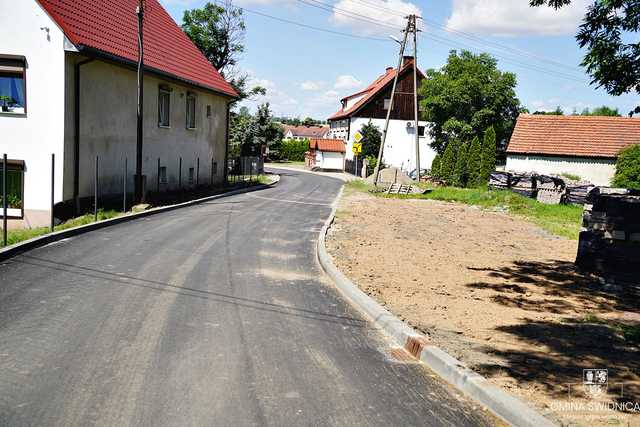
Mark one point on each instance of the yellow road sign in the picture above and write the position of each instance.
(357, 148)
(358, 136)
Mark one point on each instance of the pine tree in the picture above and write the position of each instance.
(435, 167)
(474, 163)
(489, 148)
(448, 164)
(460, 172)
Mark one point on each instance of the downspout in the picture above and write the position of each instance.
(226, 146)
(76, 139)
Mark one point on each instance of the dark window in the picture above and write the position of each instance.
(421, 130)
(214, 170)
(12, 85)
(208, 110)
(191, 111)
(15, 178)
(191, 175)
(162, 172)
(164, 108)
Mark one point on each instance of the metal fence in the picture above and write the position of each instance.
(355, 167)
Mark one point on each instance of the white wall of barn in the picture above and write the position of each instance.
(35, 135)
(400, 146)
(108, 122)
(597, 171)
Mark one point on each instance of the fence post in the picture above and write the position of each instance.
(180, 175)
(4, 199)
(211, 182)
(198, 171)
(158, 177)
(53, 188)
(95, 193)
(124, 185)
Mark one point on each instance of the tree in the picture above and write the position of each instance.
(557, 112)
(489, 149)
(613, 53)
(474, 163)
(219, 34)
(460, 171)
(372, 137)
(466, 96)
(628, 168)
(601, 111)
(265, 130)
(435, 167)
(240, 131)
(448, 164)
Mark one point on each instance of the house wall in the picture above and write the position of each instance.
(34, 136)
(108, 129)
(400, 146)
(330, 160)
(598, 171)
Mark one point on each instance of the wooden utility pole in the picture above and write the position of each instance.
(414, 24)
(393, 93)
(138, 178)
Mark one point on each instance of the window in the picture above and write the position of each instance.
(191, 175)
(421, 130)
(208, 110)
(15, 187)
(214, 169)
(12, 85)
(162, 175)
(387, 102)
(164, 107)
(191, 111)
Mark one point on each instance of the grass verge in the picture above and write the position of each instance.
(561, 220)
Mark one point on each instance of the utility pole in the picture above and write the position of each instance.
(393, 93)
(138, 178)
(413, 21)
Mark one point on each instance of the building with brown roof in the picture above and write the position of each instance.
(305, 132)
(326, 154)
(372, 104)
(586, 146)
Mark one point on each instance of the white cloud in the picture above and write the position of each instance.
(347, 82)
(389, 12)
(515, 17)
(311, 85)
(553, 103)
(279, 101)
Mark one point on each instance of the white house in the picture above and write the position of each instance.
(325, 154)
(68, 81)
(371, 104)
(305, 132)
(585, 146)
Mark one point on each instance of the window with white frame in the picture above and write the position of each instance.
(15, 188)
(387, 103)
(164, 107)
(191, 111)
(12, 85)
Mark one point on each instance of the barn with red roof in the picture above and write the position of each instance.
(68, 86)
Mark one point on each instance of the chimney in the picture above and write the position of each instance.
(388, 70)
(406, 59)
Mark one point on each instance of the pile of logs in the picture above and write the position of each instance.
(610, 241)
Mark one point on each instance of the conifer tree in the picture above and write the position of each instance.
(448, 164)
(460, 171)
(474, 163)
(488, 163)
(435, 167)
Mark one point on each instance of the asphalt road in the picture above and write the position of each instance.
(216, 314)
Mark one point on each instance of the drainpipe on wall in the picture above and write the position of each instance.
(226, 146)
(76, 139)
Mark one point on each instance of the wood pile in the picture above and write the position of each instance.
(546, 189)
(577, 192)
(550, 190)
(610, 241)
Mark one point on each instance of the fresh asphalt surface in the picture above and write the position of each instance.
(216, 314)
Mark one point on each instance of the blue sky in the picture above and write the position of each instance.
(306, 71)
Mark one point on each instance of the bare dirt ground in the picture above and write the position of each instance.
(497, 293)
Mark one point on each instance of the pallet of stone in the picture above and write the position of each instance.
(550, 190)
(524, 184)
(576, 193)
(499, 180)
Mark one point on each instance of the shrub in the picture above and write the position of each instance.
(628, 168)
(435, 167)
(293, 150)
(448, 164)
(474, 163)
(460, 171)
(488, 163)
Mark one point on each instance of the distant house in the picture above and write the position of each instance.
(586, 146)
(305, 132)
(69, 69)
(326, 154)
(372, 104)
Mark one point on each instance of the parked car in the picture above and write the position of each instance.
(413, 174)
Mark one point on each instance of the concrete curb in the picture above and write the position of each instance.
(344, 177)
(507, 407)
(36, 242)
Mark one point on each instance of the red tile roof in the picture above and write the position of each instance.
(370, 91)
(110, 27)
(333, 145)
(307, 131)
(582, 136)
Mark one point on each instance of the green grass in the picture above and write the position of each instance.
(16, 236)
(561, 220)
(571, 176)
(631, 333)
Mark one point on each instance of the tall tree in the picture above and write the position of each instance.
(489, 149)
(475, 163)
(219, 31)
(460, 171)
(435, 167)
(466, 96)
(265, 130)
(240, 131)
(448, 163)
(608, 35)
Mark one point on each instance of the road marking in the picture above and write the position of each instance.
(287, 201)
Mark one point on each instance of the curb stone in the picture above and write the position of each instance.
(36, 242)
(507, 407)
